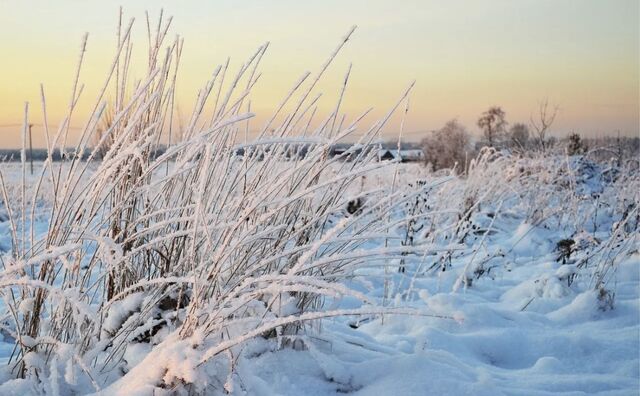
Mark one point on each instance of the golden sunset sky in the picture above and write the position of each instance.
(583, 55)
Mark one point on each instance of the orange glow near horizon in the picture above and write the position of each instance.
(465, 56)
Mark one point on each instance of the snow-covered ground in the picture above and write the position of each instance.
(561, 343)
(486, 304)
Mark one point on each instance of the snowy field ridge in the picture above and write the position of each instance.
(281, 269)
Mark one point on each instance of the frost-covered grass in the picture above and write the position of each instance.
(270, 266)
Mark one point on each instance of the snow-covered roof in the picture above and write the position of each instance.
(412, 155)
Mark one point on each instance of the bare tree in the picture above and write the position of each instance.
(543, 123)
(493, 125)
(519, 136)
(447, 147)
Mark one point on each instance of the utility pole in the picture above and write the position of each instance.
(31, 149)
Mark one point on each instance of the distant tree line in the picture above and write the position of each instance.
(13, 155)
(450, 147)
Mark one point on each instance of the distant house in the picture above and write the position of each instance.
(413, 155)
(385, 155)
(347, 152)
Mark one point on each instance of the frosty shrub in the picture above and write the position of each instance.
(575, 145)
(447, 147)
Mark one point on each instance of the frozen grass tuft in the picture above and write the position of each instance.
(192, 250)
